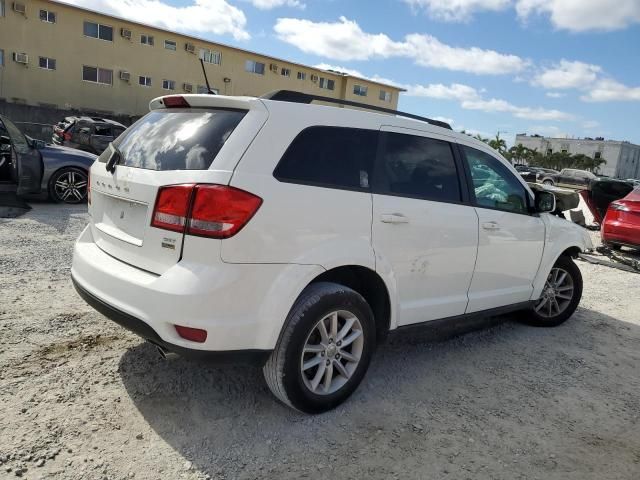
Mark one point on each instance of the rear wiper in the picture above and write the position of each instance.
(114, 159)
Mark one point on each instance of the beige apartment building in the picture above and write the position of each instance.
(59, 56)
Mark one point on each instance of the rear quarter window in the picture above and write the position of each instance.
(176, 139)
(333, 157)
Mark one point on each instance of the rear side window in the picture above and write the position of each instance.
(176, 139)
(419, 167)
(333, 157)
(103, 130)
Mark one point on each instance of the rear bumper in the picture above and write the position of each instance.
(241, 306)
(140, 328)
(621, 233)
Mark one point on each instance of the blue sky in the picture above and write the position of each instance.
(553, 67)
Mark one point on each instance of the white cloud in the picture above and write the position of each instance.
(555, 94)
(336, 68)
(345, 40)
(457, 10)
(270, 4)
(448, 120)
(567, 74)
(583, 15)
(607, 90)
(590, 124)
(202, 16)
(471, 99)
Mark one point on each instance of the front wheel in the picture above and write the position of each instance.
(325, 348)
(547, 182)
(560, 297)
(69, 185)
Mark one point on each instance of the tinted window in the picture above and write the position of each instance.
(176, 139)
(17, 138)
(419, 167)
(103, 130)
(91, 29)
(493, 184)
(330, 156)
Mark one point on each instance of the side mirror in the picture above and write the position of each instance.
(545, 201)
(38, 144)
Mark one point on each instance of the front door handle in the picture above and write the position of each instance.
(393, 218)
(491, 226)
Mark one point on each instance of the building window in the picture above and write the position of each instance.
(95, 30)
(47, 16)
(97, 75)
(210, 56)
(254, 67)
(597, 155)
(48, 63)
(1, 8)
(1, 58)
(327, 83)
(144, 81)
(360, 90)
(146, 40)
(167, 84)
(285, 72)
(385, 96)
(169, 44)
(549, 151)
(302, 75)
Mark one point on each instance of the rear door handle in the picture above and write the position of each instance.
(491, 226)
(393, 218)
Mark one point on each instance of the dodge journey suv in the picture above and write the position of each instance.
(298, 235)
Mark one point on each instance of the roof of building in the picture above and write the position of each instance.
(201, 39)
(565, 139)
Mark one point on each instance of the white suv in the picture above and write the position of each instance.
(299, 235)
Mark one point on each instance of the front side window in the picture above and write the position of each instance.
(47, 63)
(176, 139)
(419, 167)
(360, 90)
(102, 130)
(494, 185)
(146, 40)
(169, 44)
(210, 56)
(333, 157)
(47, 16)
(144, 81)
(252, 66)
(169, 84)
(97, 75)
(18, 140)
(96, 30)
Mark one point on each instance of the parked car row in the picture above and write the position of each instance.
(90, 134)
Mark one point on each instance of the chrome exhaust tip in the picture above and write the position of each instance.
(166, 354)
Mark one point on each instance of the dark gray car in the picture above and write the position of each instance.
(31, 166)
(90, 134)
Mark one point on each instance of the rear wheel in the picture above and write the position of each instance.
(560, 296)
(547, 182)
(69, 185)
(324, 350)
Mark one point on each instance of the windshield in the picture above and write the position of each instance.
(176, 139)
(17, 138)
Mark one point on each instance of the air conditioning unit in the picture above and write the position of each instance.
(314, 78)
(125, 33)
(190, 47)
(20, 57)
(273, 67)
(125, 76)
(187, 87)
(20, 8)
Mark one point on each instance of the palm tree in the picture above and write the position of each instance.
(519, 153)
(498, 144)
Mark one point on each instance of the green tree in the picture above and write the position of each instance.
(498, 144)
(519, 153)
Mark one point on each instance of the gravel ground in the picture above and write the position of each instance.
(81, 398)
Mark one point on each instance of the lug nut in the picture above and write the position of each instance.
(328, 362)
(339, 343)
(322, 354)
(337, 356)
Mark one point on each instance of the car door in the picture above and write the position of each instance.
(26, 162)
(424, 233)
(510, 238)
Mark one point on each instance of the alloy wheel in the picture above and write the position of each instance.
(556, 295)
(71, 186)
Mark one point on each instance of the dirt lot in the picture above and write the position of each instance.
(80, 398)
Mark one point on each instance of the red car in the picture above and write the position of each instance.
(621, 225)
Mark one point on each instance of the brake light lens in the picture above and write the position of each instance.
(66, 135)
(172, 207)
(220, 211)
(215, 211)
(175, 101)
(192, 334)
(619, 206)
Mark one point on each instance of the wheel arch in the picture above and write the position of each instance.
(370, 285)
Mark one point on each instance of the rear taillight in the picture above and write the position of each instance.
(215, 211)
(172, 207)
(175, 101)
(66, 135)
(621, 207)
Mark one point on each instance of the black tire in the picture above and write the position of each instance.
(283, 372)
(568, 265)
(56, 195)
(547, 181)
(616, 247)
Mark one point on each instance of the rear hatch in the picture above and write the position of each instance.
(168, 146)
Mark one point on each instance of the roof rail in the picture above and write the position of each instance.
(300, 97)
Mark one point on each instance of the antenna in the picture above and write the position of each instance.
(206, 80)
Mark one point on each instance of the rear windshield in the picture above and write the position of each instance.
(176, 139)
